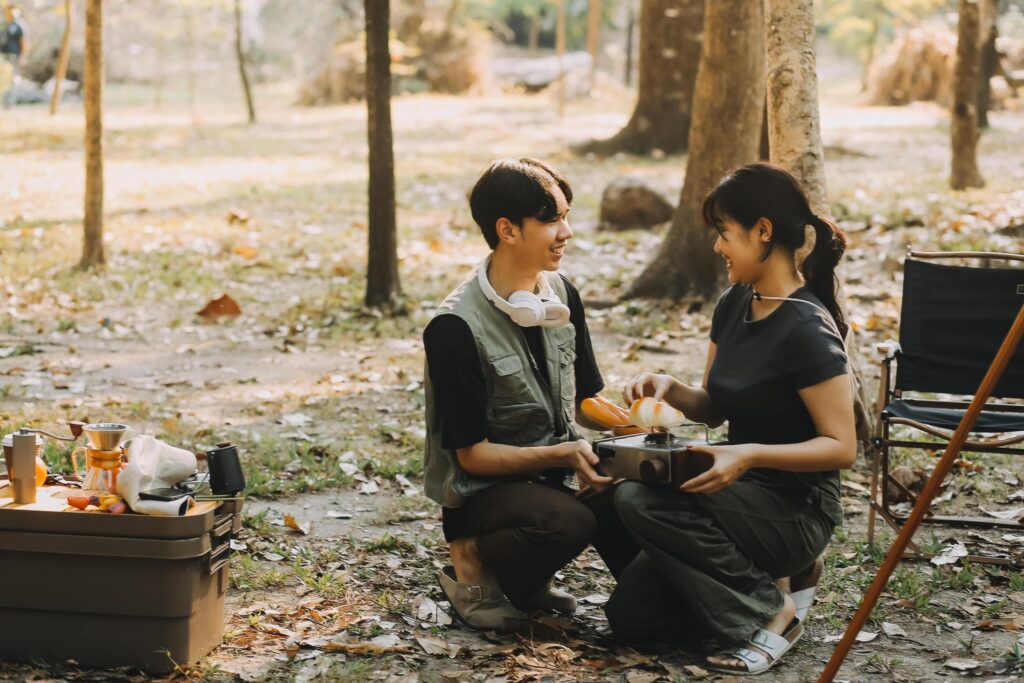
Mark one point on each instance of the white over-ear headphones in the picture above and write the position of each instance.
(526, 308)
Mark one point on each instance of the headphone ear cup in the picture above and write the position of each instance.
(527, 308)
(556, 314)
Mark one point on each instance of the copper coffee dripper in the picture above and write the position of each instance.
(102, 455)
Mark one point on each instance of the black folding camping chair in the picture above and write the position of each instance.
(952, 321)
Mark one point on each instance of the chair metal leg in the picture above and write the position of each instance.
(874, 495)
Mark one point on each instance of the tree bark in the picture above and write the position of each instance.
(593, 36)
(92, 244)
(560, 51)
(989, 58)
(240, 55)
(728, 103)
(670, 50)
(630, 30)
(965, 132)
(794, 125)
(382, 283)
(63, 59)
(534, 36)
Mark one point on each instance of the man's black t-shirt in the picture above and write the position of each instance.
(758, 370)
(459, 384)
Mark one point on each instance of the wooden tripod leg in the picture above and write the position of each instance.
(892, 558)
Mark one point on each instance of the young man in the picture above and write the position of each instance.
(508, 361)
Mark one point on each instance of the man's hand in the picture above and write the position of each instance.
(731, 461)
(647, 384)
(579, 456)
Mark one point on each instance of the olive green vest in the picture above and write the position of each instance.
(522, 408)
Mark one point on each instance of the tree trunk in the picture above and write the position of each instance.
(560, 51)
(630, 30)
(728, 103)
(190, 63)
(794, 126)
(670, 50)
(534, 37)
(965, 99)
(765, 152)
(382, 283)
(240, 55)
(989, 58)
(92, 244)
(158, 76)
(593, 36)
(62, 60)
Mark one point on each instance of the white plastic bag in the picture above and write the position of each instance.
(153, 464)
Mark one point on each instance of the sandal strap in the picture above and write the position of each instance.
(754, 658)
(773, 644)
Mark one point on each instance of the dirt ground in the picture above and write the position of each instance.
(333, 575)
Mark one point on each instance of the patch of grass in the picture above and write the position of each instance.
(248, 573)
(359, 670)
(325, 583)
(906, 584)
(387, 542)
(270, 473)
(880, 665)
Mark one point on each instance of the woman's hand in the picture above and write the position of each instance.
(731, 461)
(581, 457)
(647, 384)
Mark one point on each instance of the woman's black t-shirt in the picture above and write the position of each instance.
(758, 370)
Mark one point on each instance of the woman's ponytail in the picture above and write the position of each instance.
(819, 267)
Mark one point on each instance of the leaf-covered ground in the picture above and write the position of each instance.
(333, 575)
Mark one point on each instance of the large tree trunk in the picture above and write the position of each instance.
(728, 103)
(670, 50)
(989, 58)
(965, 100)
(560, 51)
(794, 126)
(382, 283)
(630, 30)
(240, 55)
(92, 244)
(593, 36)
(62, 60)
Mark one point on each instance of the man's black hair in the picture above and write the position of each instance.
(516, 189)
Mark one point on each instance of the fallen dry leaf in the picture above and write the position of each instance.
(217, 308)
(962, 664)
(302, 527)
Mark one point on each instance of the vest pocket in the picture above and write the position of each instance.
(567, 365)
(518, 423)
(508, 378)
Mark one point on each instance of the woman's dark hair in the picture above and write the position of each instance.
(761, 190)
(516, 189)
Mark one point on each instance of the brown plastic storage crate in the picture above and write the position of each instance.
(104, 600)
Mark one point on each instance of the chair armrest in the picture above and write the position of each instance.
(889, 348)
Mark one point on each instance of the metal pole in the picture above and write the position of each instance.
(988, 384)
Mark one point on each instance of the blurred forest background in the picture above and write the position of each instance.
(235, 217)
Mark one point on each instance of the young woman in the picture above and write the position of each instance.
(714, 558)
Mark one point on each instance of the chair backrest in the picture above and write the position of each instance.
(953, 321)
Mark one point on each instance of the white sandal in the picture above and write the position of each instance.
(764, 651)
